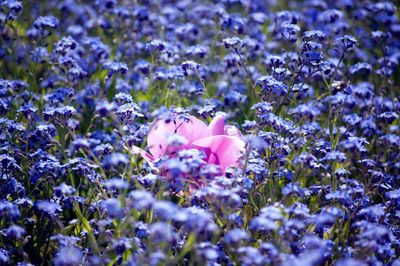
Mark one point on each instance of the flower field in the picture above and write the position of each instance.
(230, 132)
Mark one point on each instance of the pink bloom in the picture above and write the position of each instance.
(221, 143)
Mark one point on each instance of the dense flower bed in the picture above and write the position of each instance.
(199, 133)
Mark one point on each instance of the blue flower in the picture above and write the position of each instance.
(199, 221)
(59, 113)
(162, 232)
(263, 225)
(63, 190)
(348, 42)
(141, 199)
(350, 262)
(46, 22)
(14, 232)
(233, 42)
(165, 210)
(271, 85)
(236, 235)
(114, 160)
(65, 45)
(117, 184)
(156, 45)
(128, 112)
(389, 117)
(48, 208)
(293, 188)
(288, 31)
(360, 68)
(68, 255)
(4, 256)
(313, 35)
(122, 244)
(113, 208)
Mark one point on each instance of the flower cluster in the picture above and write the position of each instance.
(199, 132)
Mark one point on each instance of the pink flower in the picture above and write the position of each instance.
(221, 143)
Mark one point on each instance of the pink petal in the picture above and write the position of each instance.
(145, 155)
(222, 150)
(157, 139)
(217, 125)
(193, 129)
(232, 131)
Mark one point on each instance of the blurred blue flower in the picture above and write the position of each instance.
(14, 232)
(114, 160)
(234, 236)
(113, 208)
(68, 255)
(48, 208)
